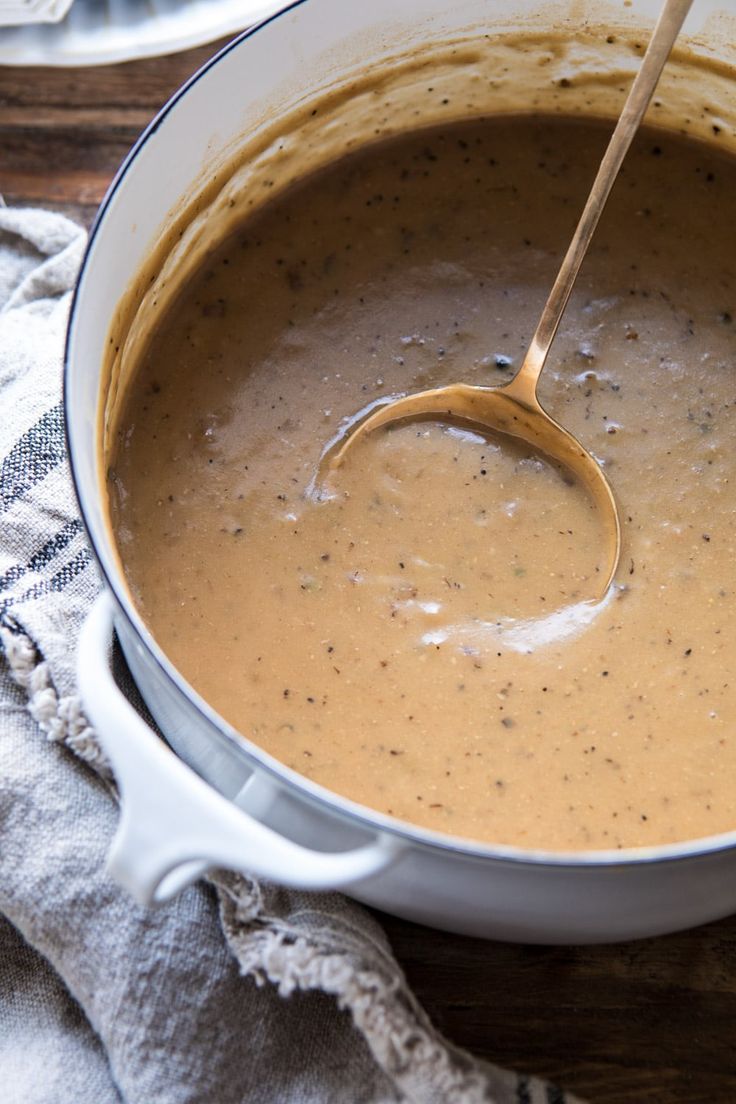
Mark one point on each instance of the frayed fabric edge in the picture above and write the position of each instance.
(425, 1067)
(61, 719)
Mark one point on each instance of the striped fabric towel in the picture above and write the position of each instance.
(101, 1000)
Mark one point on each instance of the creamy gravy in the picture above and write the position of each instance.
(420, 640)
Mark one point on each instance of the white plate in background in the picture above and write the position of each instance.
(101, 32)
(13, 12)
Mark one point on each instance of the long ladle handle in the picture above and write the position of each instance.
(671, 18)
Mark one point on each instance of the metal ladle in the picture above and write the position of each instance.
(514, 409)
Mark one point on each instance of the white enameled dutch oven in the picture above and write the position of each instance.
(211, 798)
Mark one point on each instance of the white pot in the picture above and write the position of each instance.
(216, 799)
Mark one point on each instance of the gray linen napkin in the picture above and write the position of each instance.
(101, 1000)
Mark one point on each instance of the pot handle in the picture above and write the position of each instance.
(174, 825)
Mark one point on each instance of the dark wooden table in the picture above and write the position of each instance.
(652, 1022)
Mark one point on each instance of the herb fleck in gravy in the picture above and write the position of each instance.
(421, 639)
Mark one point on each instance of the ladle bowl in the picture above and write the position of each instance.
(512, 411)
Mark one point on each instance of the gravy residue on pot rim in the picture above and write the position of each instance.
(425, 645)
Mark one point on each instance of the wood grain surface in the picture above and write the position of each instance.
(652, 1022)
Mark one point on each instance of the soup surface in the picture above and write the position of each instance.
(418, 631)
